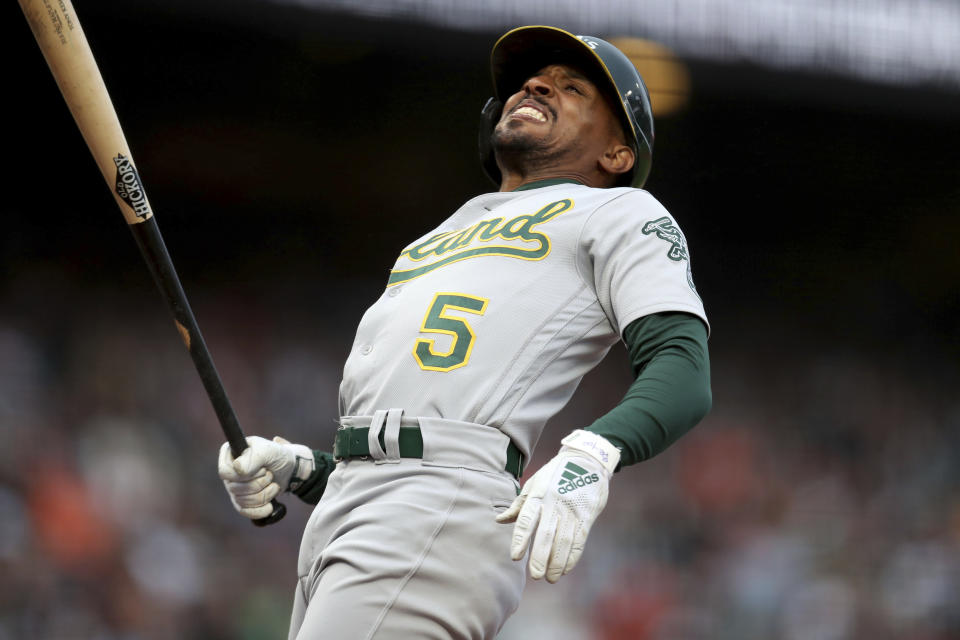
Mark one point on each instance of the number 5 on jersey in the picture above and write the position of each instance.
(437, 321)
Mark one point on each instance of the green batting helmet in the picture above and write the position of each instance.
(520, 53)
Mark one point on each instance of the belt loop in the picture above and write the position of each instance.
(373, 435)
(391, 436)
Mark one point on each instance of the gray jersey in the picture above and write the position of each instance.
(496, 315)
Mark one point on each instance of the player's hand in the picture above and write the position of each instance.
(262, 471)
(559, 503)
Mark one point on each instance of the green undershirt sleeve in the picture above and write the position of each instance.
(313, 487)
(671, 392)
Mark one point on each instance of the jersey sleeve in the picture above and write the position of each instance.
(634, 255)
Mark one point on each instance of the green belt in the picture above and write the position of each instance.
(351, 442)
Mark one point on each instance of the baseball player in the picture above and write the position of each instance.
(483, 331)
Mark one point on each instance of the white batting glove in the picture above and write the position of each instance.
(262, 471)
(559, 503)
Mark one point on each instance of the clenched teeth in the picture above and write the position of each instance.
(530, 111)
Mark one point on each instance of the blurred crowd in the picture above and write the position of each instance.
(818, 501)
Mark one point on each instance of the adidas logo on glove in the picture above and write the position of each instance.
(574, 477)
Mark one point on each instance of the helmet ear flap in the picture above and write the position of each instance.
(489, 117)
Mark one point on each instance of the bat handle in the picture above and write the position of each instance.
(238, 444)
(279, 510)
(147, 235)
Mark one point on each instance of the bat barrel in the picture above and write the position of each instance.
(65, 48)
(64, 45)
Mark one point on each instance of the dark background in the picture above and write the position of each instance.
(299, 142)
(289, 155)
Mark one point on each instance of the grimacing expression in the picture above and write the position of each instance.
(558, 114)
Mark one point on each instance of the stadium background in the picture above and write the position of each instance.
(290, 150)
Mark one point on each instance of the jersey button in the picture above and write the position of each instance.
(365, 349)
(394, 292)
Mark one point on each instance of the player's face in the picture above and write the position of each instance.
(557, 118)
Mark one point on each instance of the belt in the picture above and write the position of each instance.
(351, 442)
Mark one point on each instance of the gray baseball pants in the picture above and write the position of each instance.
(402, 548)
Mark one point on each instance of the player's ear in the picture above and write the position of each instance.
(617, 159)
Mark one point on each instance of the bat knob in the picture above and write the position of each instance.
(279, 510)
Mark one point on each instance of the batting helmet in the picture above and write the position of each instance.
(520, 53)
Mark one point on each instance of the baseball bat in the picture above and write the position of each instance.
(55, 26)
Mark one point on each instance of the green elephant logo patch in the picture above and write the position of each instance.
(669, 232)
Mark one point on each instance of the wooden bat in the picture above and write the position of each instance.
(58, 32)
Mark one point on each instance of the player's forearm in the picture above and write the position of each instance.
(313, 487)
(671, 392)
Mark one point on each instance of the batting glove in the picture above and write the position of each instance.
(262, 471)
(559, 503)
